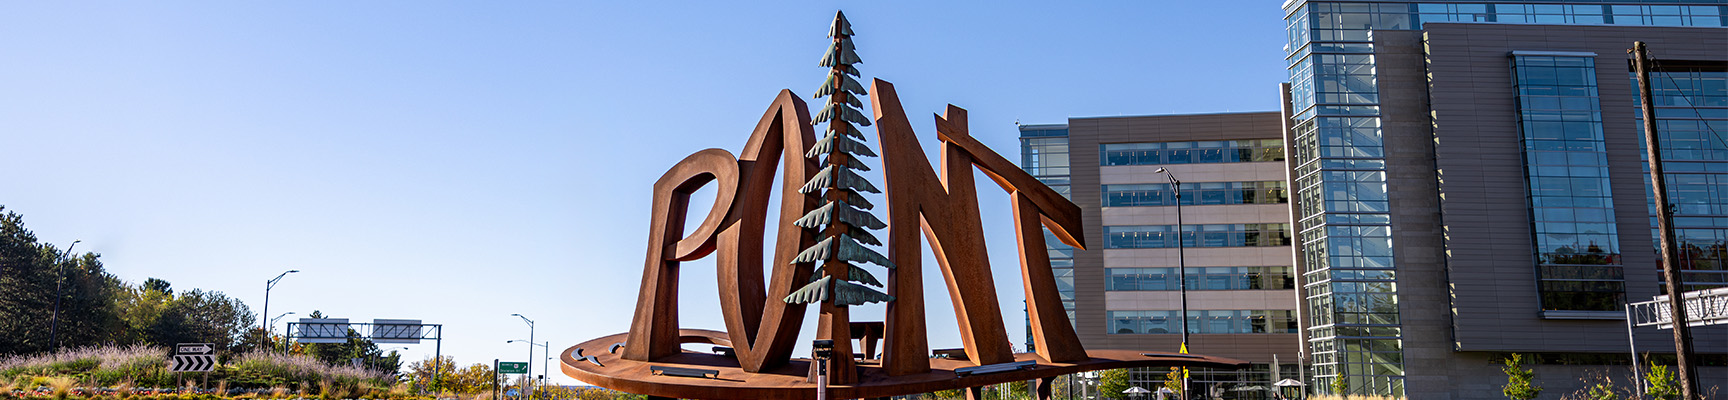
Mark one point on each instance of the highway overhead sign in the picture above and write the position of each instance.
(507, 367)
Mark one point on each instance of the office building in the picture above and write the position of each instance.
(1466, 181)
(1468, 184)
(1234, 238)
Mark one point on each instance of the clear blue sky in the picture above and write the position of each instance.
(461, 161)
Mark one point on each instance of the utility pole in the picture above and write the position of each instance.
(1685, 367)
(59, 291)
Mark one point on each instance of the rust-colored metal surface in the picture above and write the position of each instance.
(762, 329)
(823, 228)
(788, 381)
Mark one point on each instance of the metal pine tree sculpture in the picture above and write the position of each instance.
(844, 221)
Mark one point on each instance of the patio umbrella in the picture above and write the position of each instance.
(1288, 382)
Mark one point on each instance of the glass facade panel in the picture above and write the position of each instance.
(1044, 154)
(1129, 322)
(1200, 278)
(1692, 123)
(1207, 152)
(1193, 235)
(1196, 193)
(1577, 252)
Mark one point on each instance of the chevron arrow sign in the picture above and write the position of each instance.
(193, 363)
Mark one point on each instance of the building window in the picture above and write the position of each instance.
(1692, 117)
(1164, 153)
(1044, 155)
(1200, 278)
(1210, 235)
(1202, 322)
(1577, 250)
(1196, 193)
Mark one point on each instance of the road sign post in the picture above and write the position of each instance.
(193, 357)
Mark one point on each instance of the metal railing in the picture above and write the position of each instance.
(1703, 308)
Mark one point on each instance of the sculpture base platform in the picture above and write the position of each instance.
(788, 381)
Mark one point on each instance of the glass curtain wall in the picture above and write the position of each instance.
(1692, 123)
(1340, 184)
(1341, 194)
(1578, 264)
(1044, 154)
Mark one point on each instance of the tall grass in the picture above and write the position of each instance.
(301, 368)
(111, 360)
(147, 366)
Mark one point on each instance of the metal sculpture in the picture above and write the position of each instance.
(843, 222)
(825, 229)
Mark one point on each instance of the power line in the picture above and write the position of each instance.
(1657, 66)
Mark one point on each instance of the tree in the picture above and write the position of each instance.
(96, 307)
(1173, 380)
(1519, 381)
(476, 378)
(89, 314)
(1601, 391)
(1113, 382)
(141, 307)
(420, 373)
(1340, 385)
(158, 285)
(198, 316)
(32, 275)
(1661, 381)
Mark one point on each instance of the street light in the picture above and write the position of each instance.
(272, 330)
(1181, 264)
(267, 286)
(530, 358)
(59, 291)
(545, 351)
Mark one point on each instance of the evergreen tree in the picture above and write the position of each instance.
(1519, 381)
(1663, 386)
(32, 275)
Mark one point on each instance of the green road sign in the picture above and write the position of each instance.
(507, 367)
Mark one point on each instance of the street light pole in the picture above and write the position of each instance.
(272, 330)
(530, 360)
(1181, 267)
(267, 286)
(59, 291)
(545, 352)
